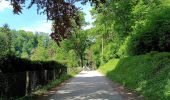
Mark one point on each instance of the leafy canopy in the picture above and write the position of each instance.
(64, 13)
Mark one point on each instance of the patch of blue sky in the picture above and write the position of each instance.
(29, 20)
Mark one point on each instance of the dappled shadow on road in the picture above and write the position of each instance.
(87, 86)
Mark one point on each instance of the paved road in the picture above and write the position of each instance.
(88, 85)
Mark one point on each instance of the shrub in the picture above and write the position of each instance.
(14, 64)
(123, 49)
(153, 34)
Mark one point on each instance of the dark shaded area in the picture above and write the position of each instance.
(19, 77)
(12, 85)
(154, 36)
(11, 64)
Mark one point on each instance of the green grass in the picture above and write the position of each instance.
(56, 82)
(147, 74)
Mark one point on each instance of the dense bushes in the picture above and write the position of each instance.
(131, 28)
(14, 64)
(154, 35)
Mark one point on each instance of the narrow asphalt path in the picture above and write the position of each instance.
(87, 85)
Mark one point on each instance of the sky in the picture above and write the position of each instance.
(29, 20)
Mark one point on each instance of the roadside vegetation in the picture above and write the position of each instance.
(57, 82)
(54, 83)
(129, 42)
(132, 45)
(147, 74)
(23, 51)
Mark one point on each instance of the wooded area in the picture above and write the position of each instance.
(122, 29)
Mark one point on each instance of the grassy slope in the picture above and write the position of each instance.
(148, 74)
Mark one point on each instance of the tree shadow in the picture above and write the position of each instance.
(87, 87)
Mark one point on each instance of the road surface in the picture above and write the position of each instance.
(87, 85)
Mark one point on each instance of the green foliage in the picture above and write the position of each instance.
(40, 46)
(123, 49)
(3, 43)
(14, 64)
(109, 52)
(153, 34)
(96, 54)
(112, 26)
(78, 43)
(122, 28)
(72, 59)
(56, 82)
(6, 40)
(147, 74)
(40, 53)
(23, 43)
(22, 51)
(133, 27)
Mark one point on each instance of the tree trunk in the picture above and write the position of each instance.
(102, 45)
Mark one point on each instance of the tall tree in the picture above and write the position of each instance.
(78, 42)
(8, 38)
(64, 13)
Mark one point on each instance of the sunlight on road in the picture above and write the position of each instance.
(88, 85)
(89, 74)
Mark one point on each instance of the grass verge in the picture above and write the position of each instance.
(147, 74)
(52, 84)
